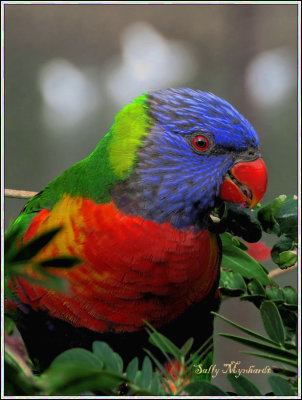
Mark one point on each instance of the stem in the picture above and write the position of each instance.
(278, 271)
(19, 194)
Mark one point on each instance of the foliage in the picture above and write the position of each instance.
(102, 371)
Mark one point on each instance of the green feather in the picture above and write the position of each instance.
(112, 161)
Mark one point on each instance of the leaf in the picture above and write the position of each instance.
(157, 363)
(238, 221)
(202, 368)
(243, 329)
(261, 346)
(291, 296)
(237, 260)
(243, 386)
(284, 371)
(155, 384)
(145, 378)
(204, 388)
(275, 294)
(164, 372)
(9, 325)
(163, 343)
(32, 248)
(187, 347)
(201, 352)
(10, 244)
(18, 378)
(77, 356)
(112, 361)
(272, 357)
(272, 321)
(46, 280)
(267, 215)
(256, 288)
(60, 262)
(231, 283)
(287, 218)
(280, 386)
(283, 244)
(287, 259)
(69, 379)
(132, 369)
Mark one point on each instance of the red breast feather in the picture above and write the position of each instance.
(132, 269)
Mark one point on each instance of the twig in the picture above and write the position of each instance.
(279, 271)
(19, 194)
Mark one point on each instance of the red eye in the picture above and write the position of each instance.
(200, 143)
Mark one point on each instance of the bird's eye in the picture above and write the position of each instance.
(200, 143)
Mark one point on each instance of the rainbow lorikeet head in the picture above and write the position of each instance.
(181, 151)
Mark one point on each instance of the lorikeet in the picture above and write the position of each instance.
(136, 212)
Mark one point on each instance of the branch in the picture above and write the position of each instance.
(279, 271)
(19, 194)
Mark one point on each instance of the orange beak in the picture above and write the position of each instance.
(246, 183)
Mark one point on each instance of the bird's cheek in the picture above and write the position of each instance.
(246, 183)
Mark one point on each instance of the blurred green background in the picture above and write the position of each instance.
(70, 68)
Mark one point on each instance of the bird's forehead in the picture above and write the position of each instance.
(185, 111)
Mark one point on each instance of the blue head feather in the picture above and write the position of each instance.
(172, 182)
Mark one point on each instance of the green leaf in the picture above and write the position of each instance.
(287, 218)
(60, 262)
(201, 360)
(187, 347)
(77, 356)
(69, 379)
(19, 379)
(202, 367)
(243, 386)
(46, 280)
(275, 294)
(231, 283)
(132, 369)
(238, 221)
(283, 244)
(159, 365)
(32, 248)
(277, 358)
(204, 388)
(291, 296)
(145, 378)
(9, 325)
(156, 385)
(287, 259)
(272, 321)
(267, 215)
(280, 386)
(112, 361)
(261, 346)
(284, 371)
(162, 369)
(10, 244)
(237, 260)
(163, 343)
(256, 288)
(243, 329)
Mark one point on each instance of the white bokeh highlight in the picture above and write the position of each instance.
(270, 77)
(148, 61)
(68, 95)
